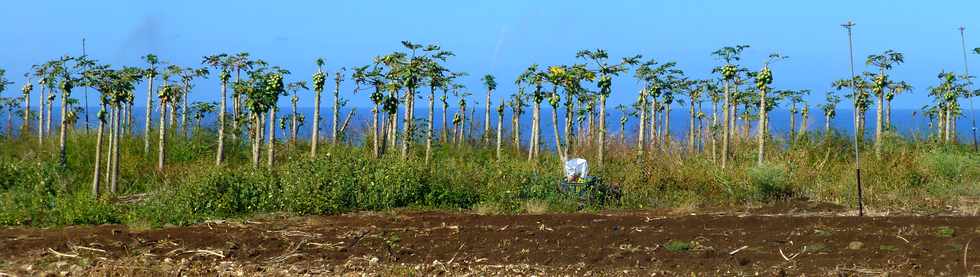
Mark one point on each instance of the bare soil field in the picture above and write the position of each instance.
(778, 240)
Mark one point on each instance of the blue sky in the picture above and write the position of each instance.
(500, 37)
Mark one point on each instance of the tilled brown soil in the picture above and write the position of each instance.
(551, 244)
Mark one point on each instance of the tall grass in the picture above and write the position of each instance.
(34, 190)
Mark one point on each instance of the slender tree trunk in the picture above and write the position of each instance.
(666, 125)
(131, 119)
(147, 126)
(63, 151)
(714, 129)
(293, 125)
(393, 129)
(27, 114)
(654, 135)
(163, 136)
(445, 121)
(701, 129)
(952, 124)
(256, 138)
(602, 128)
(535, 132)
(407, 137)
(314, 139)
(48, 118)
(336, 113)
(516, 128)
(949, 124)
(940, 124)
(40, 116)
(804, 118)
(183, 110)
(455, 140)
(462, 125)
(589, 129)
(173, 117)
(272, 137)
(554, 125)
(500, 133)
(691, 128)
(343, 126)
(640, 139)
(374, 131)
(221, 125)
(383, 133)
(726, 136)
(622, 132)
(826, 125)
(98, 155)
(569, 127)
(431, 122)
(486, 120)
(888, 114)
(879, 120)
(113, 181)
(236, 107)
(107, 173)
(792, 124)
(763, 120)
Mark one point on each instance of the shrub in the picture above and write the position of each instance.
(770, 182)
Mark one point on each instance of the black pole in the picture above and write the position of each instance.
(857, 141)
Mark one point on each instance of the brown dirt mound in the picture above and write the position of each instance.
(576, 244)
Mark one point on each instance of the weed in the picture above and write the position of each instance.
(678, 246)
(945, 232)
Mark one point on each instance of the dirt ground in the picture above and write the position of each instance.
(791, 240)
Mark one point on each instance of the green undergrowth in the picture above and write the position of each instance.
(36, 191)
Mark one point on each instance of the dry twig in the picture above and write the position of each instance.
(59, 254)
(207, 252)
(739, 249)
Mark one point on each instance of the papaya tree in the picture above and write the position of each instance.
(274, 88)
(829, 108)
(150, 73)
(491, 84)
(762, 81)
(44, 83)
(223, 63)
(554, 76)
(319, 79)
(200, 111)
(26, 94)
(880, 84)
(166, 94)
(605, 71)
(517, 105)
(338, 78)
(294, 87)
(437, 78)
(103, 80)
(187, 76)
(894, 88)
(729, 75)
(500, 128)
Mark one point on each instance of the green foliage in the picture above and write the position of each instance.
(945, 232)
(678, 246)
(770, 182)
(34, 190)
